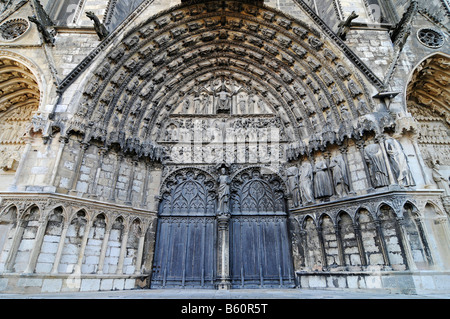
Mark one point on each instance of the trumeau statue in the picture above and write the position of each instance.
(223, 207)
(377, 165)
(399, 163)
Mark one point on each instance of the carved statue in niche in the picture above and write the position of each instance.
(306, 183)
(223, 207)
(377, 166)
(242, 104)
(186, 106)
(224, 96)
(399, 163)
(322, 182)
(340, 176)
(197, 104)
(293, 179)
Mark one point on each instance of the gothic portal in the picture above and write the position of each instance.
(224, 144)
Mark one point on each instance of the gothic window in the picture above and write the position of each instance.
(430, 38)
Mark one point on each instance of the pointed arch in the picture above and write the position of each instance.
(139, 84)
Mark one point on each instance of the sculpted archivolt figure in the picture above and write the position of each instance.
(399, 163)
(377, 166)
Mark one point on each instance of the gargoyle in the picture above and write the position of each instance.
(344, 26)
(99, 27)
(46, 35)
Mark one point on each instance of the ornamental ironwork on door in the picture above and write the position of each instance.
(260, 254)
(185, 244)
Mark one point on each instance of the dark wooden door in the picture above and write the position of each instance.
(186, 236)
(260, 254)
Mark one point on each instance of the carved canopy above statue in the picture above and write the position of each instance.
(221, 57)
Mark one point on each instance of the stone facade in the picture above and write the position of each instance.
(224, 144)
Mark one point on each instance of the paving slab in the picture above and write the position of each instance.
(229, 294)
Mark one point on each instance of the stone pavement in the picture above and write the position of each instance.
(230, 294)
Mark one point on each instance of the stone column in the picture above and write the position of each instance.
(83, 147)
(62, 144)
(134, 164)
(93, 191)
(426, 179)
(344, 150)
(423, 239)
(382, 241)
(24, 156)
(83, 246)
(380, 140)
(140, 253)
(322, 247)
(101, 261)
(223, 254)
(327, 156)
(60, 248)
(339, 245)
(112, 196)
(123, 250)
(404, 245)
(360, 147)
(305, 253)
(145, 186)
(37, 244)
(9, 263)
(359, 241)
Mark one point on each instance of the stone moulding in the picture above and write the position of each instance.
(396, 199)
(52, 200)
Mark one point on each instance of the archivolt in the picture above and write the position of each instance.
(283, 59)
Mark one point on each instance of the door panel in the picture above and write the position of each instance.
(185, 254)
(260, 254)
(186, 236)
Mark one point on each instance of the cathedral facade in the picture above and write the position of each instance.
(224, 144)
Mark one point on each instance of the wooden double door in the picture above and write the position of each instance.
(187, 247)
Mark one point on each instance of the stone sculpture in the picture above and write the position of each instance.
(306, 183)
(293, 179)
(99, 27)
(322, 182)
(377, 166)
(340, 177)
(223, 206)
(399, 163)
